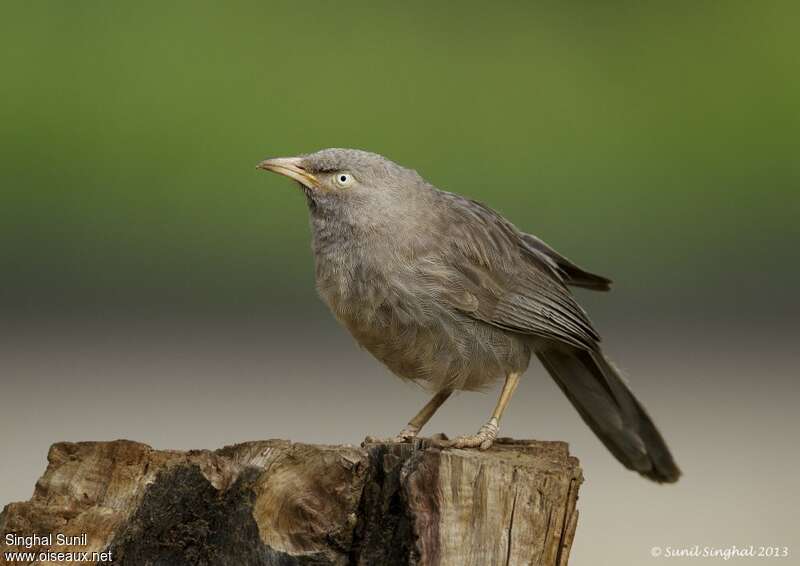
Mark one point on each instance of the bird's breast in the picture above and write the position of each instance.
(369, 282)
(360, 286)
(384, 296)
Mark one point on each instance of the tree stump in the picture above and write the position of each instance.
(274, 502)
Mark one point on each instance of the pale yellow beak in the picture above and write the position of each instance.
(290, 167)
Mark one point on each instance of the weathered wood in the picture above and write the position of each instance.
(278, 503)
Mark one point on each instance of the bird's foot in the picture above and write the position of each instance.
(408, 434)
(483, 440)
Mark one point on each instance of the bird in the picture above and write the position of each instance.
(447, 293)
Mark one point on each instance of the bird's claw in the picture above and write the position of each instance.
(483, 440)
(408, 434)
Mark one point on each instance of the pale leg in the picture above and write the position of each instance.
(421, 418)
(488, 432)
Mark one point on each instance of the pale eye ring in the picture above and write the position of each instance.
(343, 179)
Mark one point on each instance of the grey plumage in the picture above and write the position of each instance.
(448, 293)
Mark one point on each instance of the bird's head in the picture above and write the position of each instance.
(346, 175)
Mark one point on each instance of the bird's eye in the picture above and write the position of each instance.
(343, 179)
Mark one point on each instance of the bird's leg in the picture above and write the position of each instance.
(488, 432)
(420, 419)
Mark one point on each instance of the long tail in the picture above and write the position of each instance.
(609, 407)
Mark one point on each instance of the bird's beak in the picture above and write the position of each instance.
(291, 167)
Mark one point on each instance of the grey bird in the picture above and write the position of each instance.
(449, 294)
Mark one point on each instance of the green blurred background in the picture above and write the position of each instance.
(156, 287)
(654, 142)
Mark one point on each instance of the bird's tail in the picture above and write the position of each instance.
(609, 407)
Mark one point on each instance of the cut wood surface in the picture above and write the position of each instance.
(275, 502)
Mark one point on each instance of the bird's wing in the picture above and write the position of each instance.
(573, 275)
(490, 277)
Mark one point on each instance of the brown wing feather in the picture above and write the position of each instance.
(573, 275)
(484, 257)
